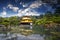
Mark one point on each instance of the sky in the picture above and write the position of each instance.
(20, 8)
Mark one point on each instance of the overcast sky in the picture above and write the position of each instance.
(10, 8)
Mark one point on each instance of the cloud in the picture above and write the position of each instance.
(4, 8)
(22, 11)
(27, 12)
(4, 13)
(36, 4)
(10, 6)
(24, 5)
(32, 13)
(13, 15)
(15, 9)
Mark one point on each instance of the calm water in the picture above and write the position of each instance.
(20, 37)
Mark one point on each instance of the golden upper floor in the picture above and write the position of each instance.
(26, 19)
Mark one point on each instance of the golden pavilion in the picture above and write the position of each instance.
(26, 20)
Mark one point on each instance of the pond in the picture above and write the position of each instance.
(20, 37)
(21, 33)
